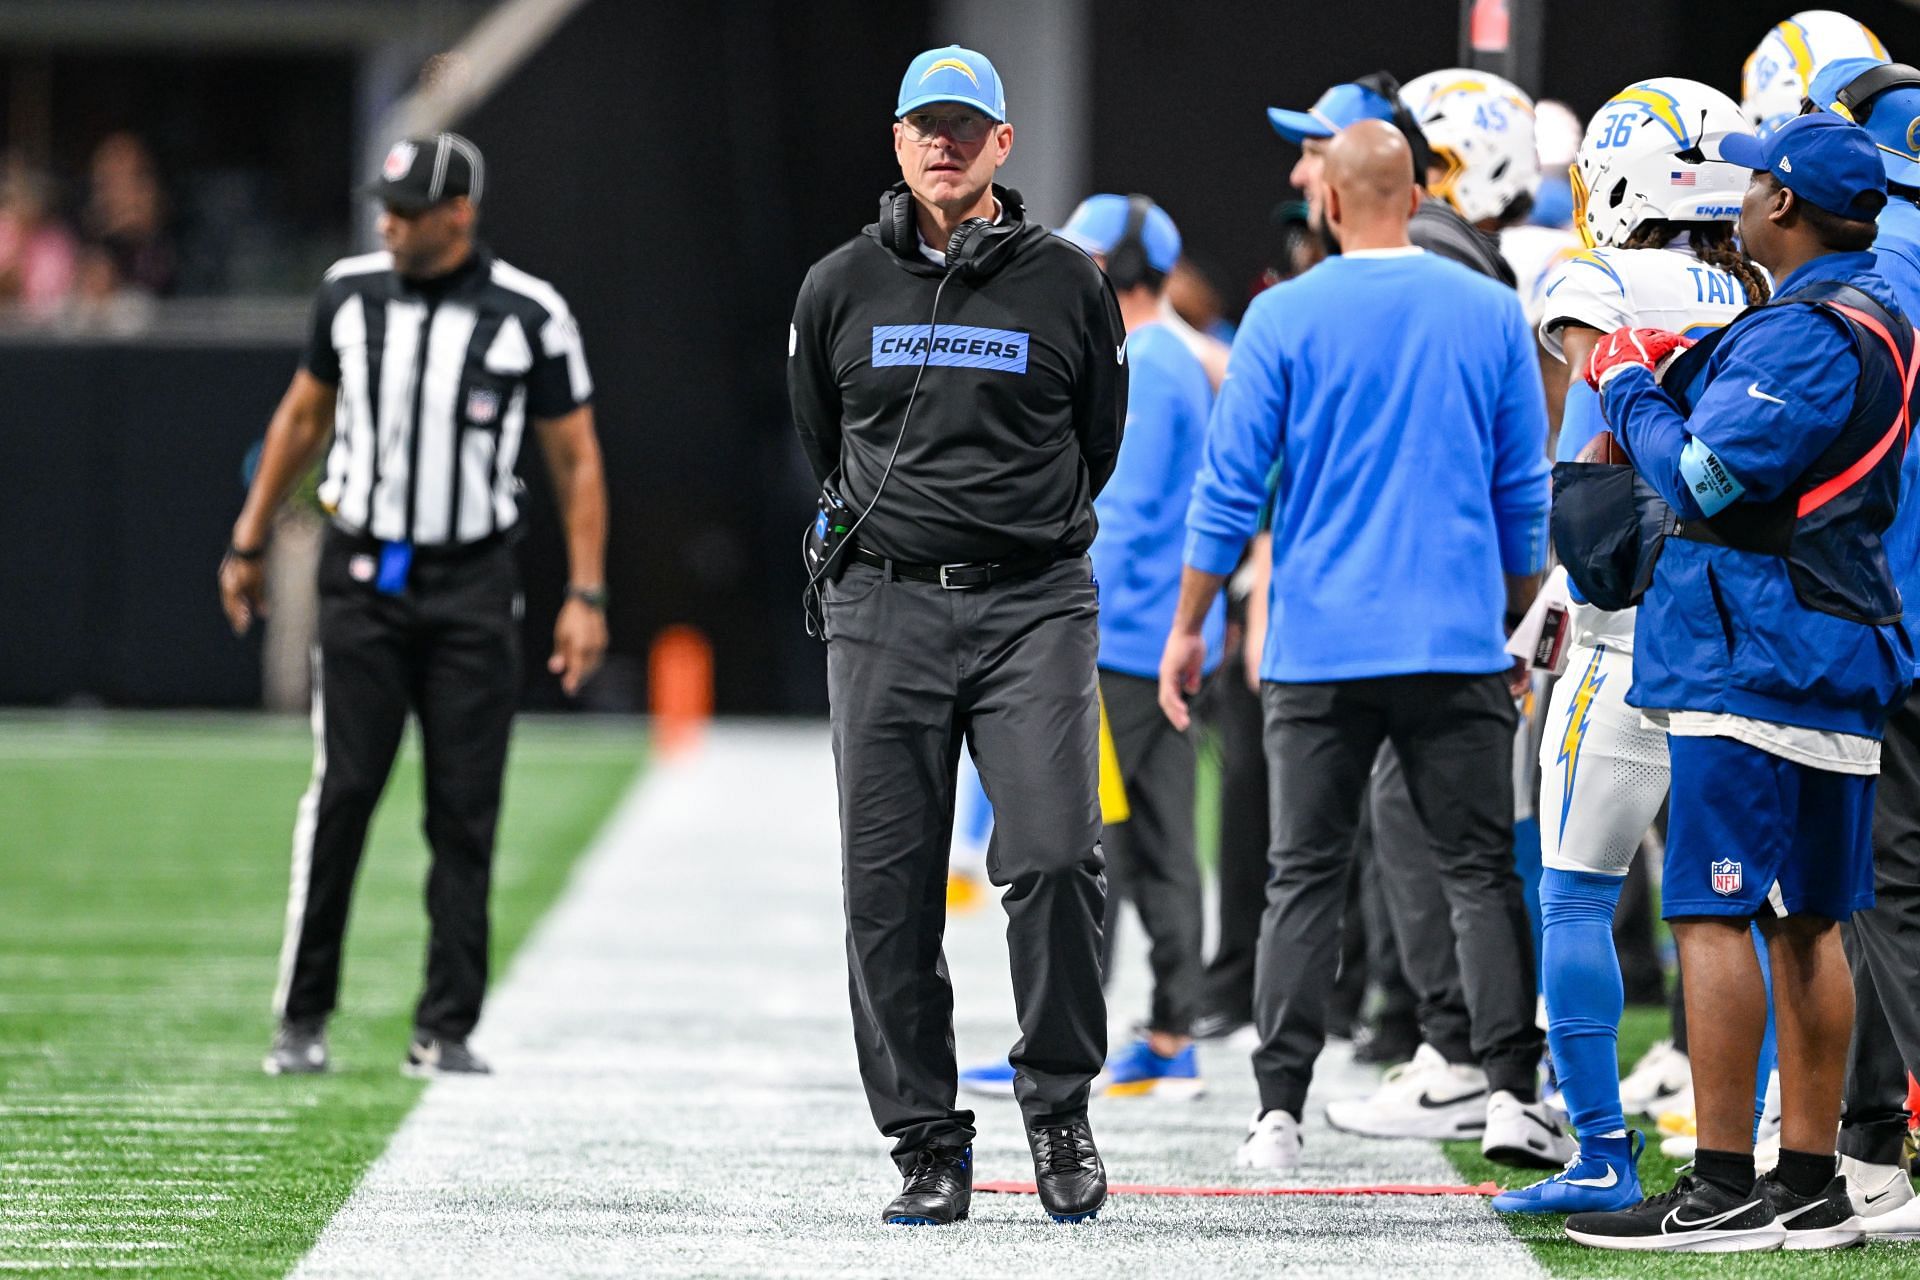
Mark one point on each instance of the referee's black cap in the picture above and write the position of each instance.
(419, 173)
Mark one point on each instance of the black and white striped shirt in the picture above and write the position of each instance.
(435, 383)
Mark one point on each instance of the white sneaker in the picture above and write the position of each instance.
(1662, 1075)
(1527, 1134)
(1272, 1143)
(1426, 1098)
(1883, 1196)
(1681, 1146)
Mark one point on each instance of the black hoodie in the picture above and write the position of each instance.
(1017, 423)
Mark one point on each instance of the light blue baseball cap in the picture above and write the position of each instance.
(1099, 222)
(1890, 116)
(952, 74)
(1337, 108)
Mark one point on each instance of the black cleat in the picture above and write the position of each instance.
(938, 1190)
(1067, 1171)
(299, 1049)
(1825, 1221)
(430, 1055)
(1694, 1217)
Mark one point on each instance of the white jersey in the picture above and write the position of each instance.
(1533, 253)
(1608, 289)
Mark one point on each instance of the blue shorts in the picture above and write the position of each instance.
(1741, 821)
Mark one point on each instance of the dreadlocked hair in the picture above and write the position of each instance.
(1712, 244)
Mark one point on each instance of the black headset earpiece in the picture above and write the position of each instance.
(1127, 265)
(962, 236)
(1858, 95)
(1386, 86)
(896, 220)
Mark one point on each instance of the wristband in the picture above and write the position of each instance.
(248, 555)
(592, 597)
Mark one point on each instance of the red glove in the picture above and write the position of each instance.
(1623, 347)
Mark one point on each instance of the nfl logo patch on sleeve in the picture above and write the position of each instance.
(483, 406)
(1726, 877)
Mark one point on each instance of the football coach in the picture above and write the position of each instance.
(958, 382)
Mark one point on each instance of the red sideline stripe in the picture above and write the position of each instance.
(1142, 1189)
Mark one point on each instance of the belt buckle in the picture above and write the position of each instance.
(947, 584)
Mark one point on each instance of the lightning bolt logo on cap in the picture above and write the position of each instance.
(951, 64)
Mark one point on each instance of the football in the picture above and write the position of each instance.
(1603, 448)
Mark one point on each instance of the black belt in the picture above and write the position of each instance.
(433, 552)
(960, 577)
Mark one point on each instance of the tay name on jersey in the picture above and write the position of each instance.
(1669, 289)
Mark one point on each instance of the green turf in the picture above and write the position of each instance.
(143, 879)
(1562, 1257)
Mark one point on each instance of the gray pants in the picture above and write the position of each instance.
(913, 671)
(1884, 945)
(1454, 735)
(1150, 857)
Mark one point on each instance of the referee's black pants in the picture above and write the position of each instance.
(1883, 942)
(448, 649)
(913, 673)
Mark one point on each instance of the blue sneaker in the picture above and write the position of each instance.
(1602, 1177)
(1138, 1072)
(994, 1078)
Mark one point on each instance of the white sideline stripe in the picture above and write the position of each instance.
(303, 828)
(676, 1092)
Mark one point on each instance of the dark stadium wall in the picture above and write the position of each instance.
(674, 171)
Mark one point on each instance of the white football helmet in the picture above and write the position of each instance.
(1481, 129)
(1653, 152)
(1778, 71)
(1421, 90)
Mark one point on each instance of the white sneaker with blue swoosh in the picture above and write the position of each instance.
(1695, 1217)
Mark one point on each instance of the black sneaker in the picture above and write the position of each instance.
(938, 1190)
(430, 1055)
(1067, 1171)
(299, 1049)
(1825, 1221)
(1694, 1217)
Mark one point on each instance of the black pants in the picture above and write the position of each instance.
(1454, 736)
(1884, 945)
(1234, 711)
(913, 672)
(449, 649)
(1150, 856)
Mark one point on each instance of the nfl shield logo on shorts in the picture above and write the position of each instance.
(1726, 877)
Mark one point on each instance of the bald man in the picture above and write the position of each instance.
(1396, 397)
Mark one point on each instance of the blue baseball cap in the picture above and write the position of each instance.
(953, 74)
(1338, 107)
(1828, 162)
(1891, 116)
(1098, 223)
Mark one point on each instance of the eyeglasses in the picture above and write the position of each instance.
(964, 126)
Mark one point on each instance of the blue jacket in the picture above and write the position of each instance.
(1136, 555)
(1896, 256)
(1401, 398)
(1724, 630)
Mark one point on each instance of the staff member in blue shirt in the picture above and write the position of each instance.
(1399, 394)
(1769, 648)
(1884, 943)
(1136, 560)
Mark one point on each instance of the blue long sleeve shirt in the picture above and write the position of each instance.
(1400, 397)
(1136, 554)
(1722, 630)
(1896, 256)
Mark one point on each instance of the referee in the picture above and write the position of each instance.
(425, 363)
(958, 380)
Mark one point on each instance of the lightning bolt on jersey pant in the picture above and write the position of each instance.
(1454, 736)
(448, 649)
(914, 673)
(1603, 773)
(1883, 943)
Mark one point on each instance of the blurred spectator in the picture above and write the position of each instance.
(36, 252)
(126, 218)
(1195, 298)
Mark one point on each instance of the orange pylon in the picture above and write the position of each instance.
(680, 681)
